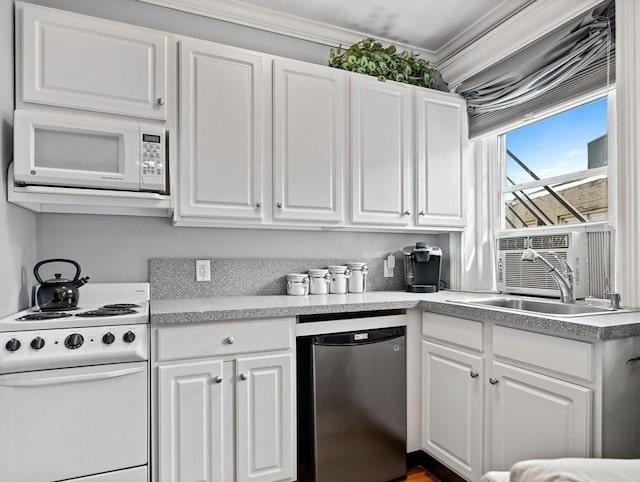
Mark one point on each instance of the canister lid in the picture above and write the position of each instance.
(357, 265)
(318, 272)
(337, 268)
(296, 276)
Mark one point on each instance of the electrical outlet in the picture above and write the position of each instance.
(388, 270)
(203, 270)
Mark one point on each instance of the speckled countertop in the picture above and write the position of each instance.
(211, 309)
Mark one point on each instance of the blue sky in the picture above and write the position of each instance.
(557, 145)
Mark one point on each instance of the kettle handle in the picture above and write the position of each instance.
(57, 260)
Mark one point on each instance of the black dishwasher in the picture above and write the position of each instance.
(352, 406)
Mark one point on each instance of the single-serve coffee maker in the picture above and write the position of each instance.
(422, 268)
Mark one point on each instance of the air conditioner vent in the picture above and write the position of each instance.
(523, 274)
(510, 244)
(549, 242)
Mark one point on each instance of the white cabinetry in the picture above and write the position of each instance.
(71, 60)
(452, 407)
(536, 397)
(440, 137)
(536, 416)
(310, 113)
(224, 131)
(225, 417)
(381, 151)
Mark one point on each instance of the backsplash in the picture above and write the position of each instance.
(175, 277)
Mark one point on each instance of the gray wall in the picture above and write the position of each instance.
(118, 248)
(113, 248)
(17, 226)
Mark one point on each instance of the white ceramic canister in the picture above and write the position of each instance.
(357, 277)
(319, 280)
(339, 276)
(297, 284)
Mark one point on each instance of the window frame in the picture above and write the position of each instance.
(609, 170)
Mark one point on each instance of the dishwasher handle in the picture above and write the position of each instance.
(362, 337)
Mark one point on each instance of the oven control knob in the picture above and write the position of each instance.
(108, 338)
(73, 341)
(37, 343)
(13, 344)
(129, 336)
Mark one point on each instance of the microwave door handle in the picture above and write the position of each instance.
(35, 382)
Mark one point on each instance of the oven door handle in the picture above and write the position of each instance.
(34, 382)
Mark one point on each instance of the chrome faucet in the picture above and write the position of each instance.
(564, 278)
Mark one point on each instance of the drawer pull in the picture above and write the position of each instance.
(230, 340)
(243, 376)
(218, 379)
(493, 381)
(160, 101)
(473, 374)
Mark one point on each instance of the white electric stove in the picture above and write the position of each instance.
(74, 389)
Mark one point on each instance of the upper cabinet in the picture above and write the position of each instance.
(381, 151)
(224, 125)
(439, 148)
(81, 62)
(309, 141)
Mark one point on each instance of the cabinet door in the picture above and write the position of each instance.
(222, 131)
(439, 168)
(452, 408)
(72, 60)
(190, 422)
(309, 141)
(535, 416)
(381, 151)
(265, 419)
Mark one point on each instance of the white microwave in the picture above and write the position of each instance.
(59, 149)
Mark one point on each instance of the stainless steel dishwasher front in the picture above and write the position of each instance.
(352, 406)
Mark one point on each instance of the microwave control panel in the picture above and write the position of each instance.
(152, 160)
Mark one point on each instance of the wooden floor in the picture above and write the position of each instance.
(418, 474)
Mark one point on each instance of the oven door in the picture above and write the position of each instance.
(51, 148)
(73, 422)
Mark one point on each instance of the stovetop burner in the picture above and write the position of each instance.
(43, 315)
(106, 312)
(117, 306)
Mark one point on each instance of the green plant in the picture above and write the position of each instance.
(370, 57)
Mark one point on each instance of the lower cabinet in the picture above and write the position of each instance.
(227, 418)
(452, 407)
(482, 411)
(535, 416)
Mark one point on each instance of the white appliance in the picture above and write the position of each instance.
(74, 389)
(76, 150)
(527, 278)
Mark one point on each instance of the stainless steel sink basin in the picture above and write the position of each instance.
(538, 306)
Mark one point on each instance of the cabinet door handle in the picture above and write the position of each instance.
(243, 376)
(259, 204)
(279, 204)
(493, 381)
(421, 213)
(230, 340)
(160, 101)
(473, 374)
(218, 379)
(407, 213)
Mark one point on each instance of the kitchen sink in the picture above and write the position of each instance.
(538, 306)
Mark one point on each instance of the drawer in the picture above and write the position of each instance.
(574, 358)
(465, 333)
(215, 339)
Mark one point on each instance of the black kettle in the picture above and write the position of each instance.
(58, 293)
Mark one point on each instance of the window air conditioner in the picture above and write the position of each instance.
(526, 278)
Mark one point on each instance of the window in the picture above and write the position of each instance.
(555, 169)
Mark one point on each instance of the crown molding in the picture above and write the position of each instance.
(515, 33)
(494, 17)
(277, 22)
